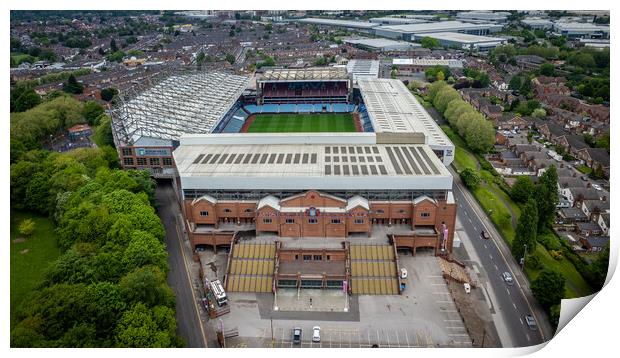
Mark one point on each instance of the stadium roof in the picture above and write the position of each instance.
(428, 62)
(363, 68)
(305, 74)
(463, 38)
(341, 23)
(177, 105)
(393, 109)
(287, 166)
(441, 26)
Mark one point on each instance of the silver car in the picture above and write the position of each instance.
(508, 278)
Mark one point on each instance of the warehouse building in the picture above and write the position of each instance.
(500, 16)
(412, 31)
(465, 41)
(538, 24)
(396, 20)
(380, 44)
(577, 30)
(363, 26)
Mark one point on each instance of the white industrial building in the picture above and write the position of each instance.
(500, 16)
(538, 24)
(575, 30)
(345, 24)
(396, 20)
(465, 41)
(380, 44)
(427, 62)
(411, 31)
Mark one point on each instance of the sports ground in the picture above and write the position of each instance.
(293, 122)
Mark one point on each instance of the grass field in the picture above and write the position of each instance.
(30, 256)
(327, 122)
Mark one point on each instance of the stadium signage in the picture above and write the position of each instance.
(152, 152)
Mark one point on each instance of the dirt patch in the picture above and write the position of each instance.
(25, 251)
(19, 240)
(247, 123)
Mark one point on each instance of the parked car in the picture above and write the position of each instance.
(296, 335)
(467, 287)
(403, 273)
(316, 334)
(597, 187)
(584, 177)
(531, 322)
(485, 235)
(508, 278)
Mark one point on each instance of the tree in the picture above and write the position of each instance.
(539, 113)
(548, 288)
(28, 99)
(444, 97)
(470, 178)
(147, 285)
(480, 135)
(107, 94)
(26, 227)
(546, 195)
(523, 189)
(146, 328)
(525, 234)
(230, 58)
(103, 132)
(429, 42)
(73, 86)
(92, 111)
(598, 172)
(434, 88)
(547, 69)
(145, 249)
(113, 47)
(599, 268)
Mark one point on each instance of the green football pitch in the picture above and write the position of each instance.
(325, 122)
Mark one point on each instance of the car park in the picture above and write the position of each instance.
(316, 334)
(531, 322)
(296, 335)
(507, 277)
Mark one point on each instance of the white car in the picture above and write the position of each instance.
(597, 187)
(467, 287)
(403, 273)
(316, 334)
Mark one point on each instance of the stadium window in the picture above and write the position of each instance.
(425, 215)
(328, 257)
(290, 221)
(318, 258)
(335, 221)
(227, 210)
(167, 161)
(266, 221)
(204, 213)
(312, 221)
(127, 151)
(307, 257)
(359, 221)
(153, 161)
(296, 257)
(128, 161)
(380, 211)
(401, 211)
(247, 210)
(141, 161)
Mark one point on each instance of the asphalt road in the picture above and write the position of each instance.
(513, 302)
(188, 320)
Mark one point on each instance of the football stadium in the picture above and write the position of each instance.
(301, 163)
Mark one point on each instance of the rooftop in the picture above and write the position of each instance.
(428, 62)
(393, 109)
(464, 38)
(343, 23)
(379, 43)
(177, 105)
(437, 27)
(305, 74)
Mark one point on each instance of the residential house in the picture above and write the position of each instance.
(509, 121)
(571, 143)
(571, 215)
(540, 165)
(529, 62)
(576, 195)
(594, 208)
(603, 222)
(550, 130)
(593, 157)
(588, 228)
(544, 85)
(594, 243)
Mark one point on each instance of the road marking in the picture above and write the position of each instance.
(508, 292)
(497, 268)
(491, 256)
(458, 335)
(528, 337)
(475, 228)
(469, 220)
(515, 306)
(455, 327)
(189, 280)
(485, 246)
(520, 320)
(452, 320)
(388, 339)
(441, 293)
(437, 284)
(443, 301)
(407, 337)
